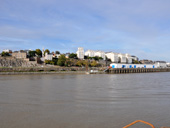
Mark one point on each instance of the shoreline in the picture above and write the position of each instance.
(34, 73)
(71, 70)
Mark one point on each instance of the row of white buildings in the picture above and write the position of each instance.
(114, 57)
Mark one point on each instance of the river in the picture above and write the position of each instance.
(84, 101)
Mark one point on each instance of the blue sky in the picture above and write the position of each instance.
(138, 27)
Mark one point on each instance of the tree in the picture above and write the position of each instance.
(79, 63)
(5, 54)
(94, 63)
(73, 55)
(57, 52)
(86, 57)
(47, 61)
(100, 58)
(32, 53)
(97, 58)
(82, 63)
(55, 60)
(61, 60)
(90, 58)
(38, 52)
(135, 61)
(68, 62)
(46, 51)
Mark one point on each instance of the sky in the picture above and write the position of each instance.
(137, 27)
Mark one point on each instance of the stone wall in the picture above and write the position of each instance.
(46, 69)
(14, 62)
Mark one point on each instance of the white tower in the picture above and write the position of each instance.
(80, 53)
(43, 52)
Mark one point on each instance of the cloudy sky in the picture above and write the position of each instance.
(138, 27)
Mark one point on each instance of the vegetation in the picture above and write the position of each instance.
(49, 62)
(95, 58)
(135, 62)
(61, 60)
(32, 53)
(5, 54)
(55, 60)
(47, 51)
(73, 55)
(57, 52)
(68, 63)
(93, 64)
(38, 52)
(80, 63)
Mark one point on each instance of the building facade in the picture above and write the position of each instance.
(80, 53)
(91, 53)
(161, 64)
(112, 56)
(48, 56)
(144, 61)
(119, 57)
(20, 55)
(100, 54)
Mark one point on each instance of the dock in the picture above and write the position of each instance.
(136, 70)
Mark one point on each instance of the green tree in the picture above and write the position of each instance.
(32, 53)
(55, 60)
(100, 58)
(61, 60)
(47, 61)
(135, 61)
(73, 55)
(79, 63)
(38, 52)
(5, 54)
(93, 63)
(57, 52)
(97, 58)
(82, 63)
(68, 62)
(46, 51)
(90, 58)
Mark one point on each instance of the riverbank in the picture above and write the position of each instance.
(31, 73)
(77, 70)
(46, 70)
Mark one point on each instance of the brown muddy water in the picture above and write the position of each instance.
(84, 101)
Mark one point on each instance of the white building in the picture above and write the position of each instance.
(128, 58)
(80, 53)
(122, 58)
(92, 53)
(100, 54)
(168, 64)
(161, 64)
(112, 56)
(119, 57)
(48, 56)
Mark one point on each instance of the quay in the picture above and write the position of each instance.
(135, 70)
(102, 70)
